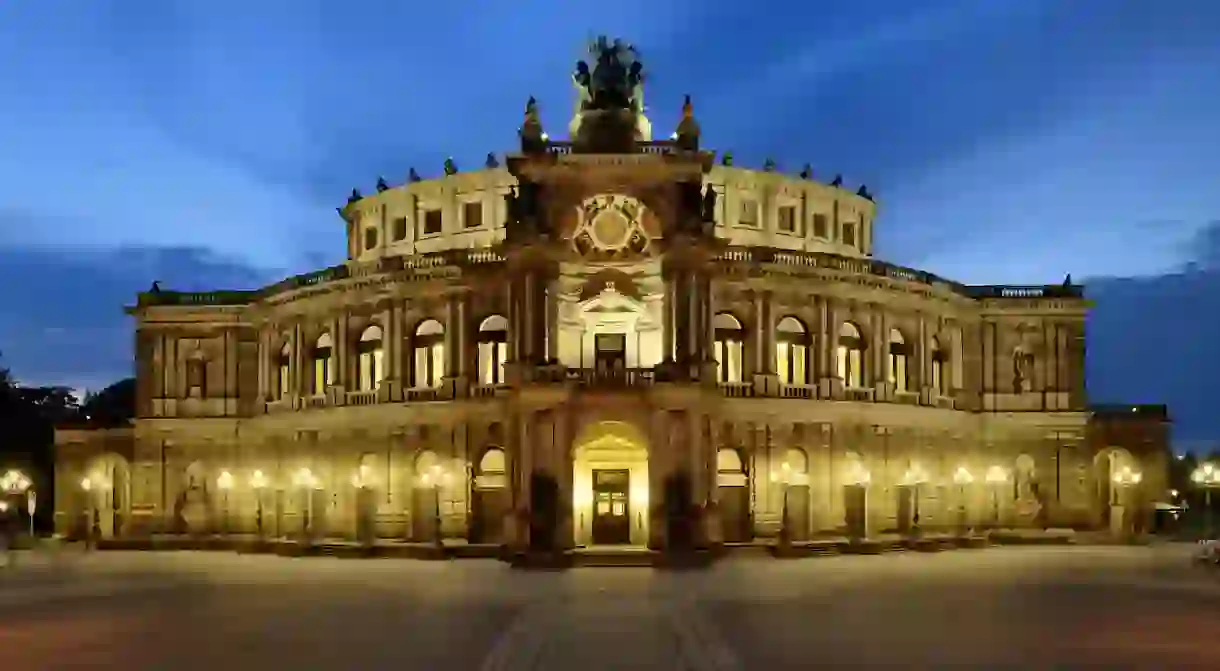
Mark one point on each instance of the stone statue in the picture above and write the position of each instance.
(807, 172)
(381, 184)
(1022, 370)
(355, 196)
(863, 192)
(709, 204)
(769, 165)
(492, 161)
(450, 167)
(617, 76)
(413, 176)
(156, 287)
(727, 159)
(837, 181)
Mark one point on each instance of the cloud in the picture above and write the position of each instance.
(63, 320)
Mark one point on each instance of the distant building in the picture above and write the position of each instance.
(544, 348)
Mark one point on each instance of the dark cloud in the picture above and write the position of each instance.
(62, 317)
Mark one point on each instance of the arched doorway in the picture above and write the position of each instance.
(192, 505)
(1026, 496)
(610, 486)
(1109, 497)
(491, 497)
(733, 495)
(107, 489)
(794, 473)
(426, 493)
(368, 487)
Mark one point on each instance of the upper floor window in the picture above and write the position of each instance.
(938, 356)
(849, 234)
(787, 219)
(283, 384)
(493, 349)
(749, 213)
(792, 351)
(370, 238)
(728, 348)
(472, 214)
(323, 364)
(428, 346)
(820, 228)
(898, 358)
(370, 362)
(850, 355)
(197, 377)
(400, 229)
(432, 222)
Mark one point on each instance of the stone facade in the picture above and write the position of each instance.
(599, 322)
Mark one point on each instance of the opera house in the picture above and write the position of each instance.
(611, 339)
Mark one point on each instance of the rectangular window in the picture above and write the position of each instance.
(787, 219)
(400, 229)
(472, 214)
(849, 234)
(820, 227)
(432, 222)
(749, 213)
(323, 371)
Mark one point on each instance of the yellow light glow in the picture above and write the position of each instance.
(996, 475)
(962, 476)
(915, 475)
(258, 480)
(858, 475)
(224, 480)
(86, 484)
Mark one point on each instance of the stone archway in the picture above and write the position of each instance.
(1107, 496)
(610, 485)
(795, 467)
(733, 496)
(107, 489)
(426, 494)
(492, 497)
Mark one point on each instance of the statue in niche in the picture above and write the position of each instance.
(709, 205)
(1022, 370)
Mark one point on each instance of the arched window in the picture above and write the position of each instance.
(897, 369)
(429, 349)
(283, 383)
(850, 355)
(938, 355)
(792, 351)
(323, 364)
(370, 370)
(197, 377)
(493, 349)
(728, 347)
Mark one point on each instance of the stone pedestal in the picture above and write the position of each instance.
(766, 384)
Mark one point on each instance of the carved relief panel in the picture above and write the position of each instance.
(613, 227)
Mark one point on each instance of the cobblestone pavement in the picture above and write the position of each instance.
(1003, 608)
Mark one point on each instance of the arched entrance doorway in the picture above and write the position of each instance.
(491, 498)
(1111, 498)
(107, 494)
(429, 485)
(610, 485)
(794, 474)
(733, 495)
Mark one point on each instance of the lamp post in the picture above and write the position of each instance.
(307, 482)
(859, 477)
(1206, 477)
(258, 482)
(1125, 479)
(784, 479)
(224, 482)
(433, 479)
(996, 476)
(914, 478)
(15, 483)
(962, 478)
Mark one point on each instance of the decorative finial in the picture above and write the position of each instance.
(1067, 281)
(355, 196)
(156, 287)
(688, 129)
(769, 165)
(863, 192)
(531, 109)
(837, 181)
(491, 161)
(533, 139)
(688, 110)
(413, 176)
(381, 185)
(450, 167)
(727, 159)
(807, 172)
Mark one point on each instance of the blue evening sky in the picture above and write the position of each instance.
(207, 144)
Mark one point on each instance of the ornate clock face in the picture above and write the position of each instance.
(611, 227)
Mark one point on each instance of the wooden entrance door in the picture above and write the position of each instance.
(611, 507)
(610, 353)
(798, 512)
(735, 513)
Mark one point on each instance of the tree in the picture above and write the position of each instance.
(113, 406)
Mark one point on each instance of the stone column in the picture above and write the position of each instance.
(697, 300)
(552, 320)
(766, 382)
(667, 319)
(528, 308)
(264, 364)
(296, 361)
(342, 351)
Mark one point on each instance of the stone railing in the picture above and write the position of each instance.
(660, 147)
(858, 266)
(611, 378)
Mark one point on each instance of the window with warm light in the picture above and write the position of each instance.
(898, 357)
(428, 346)
(197, 377)
(792, 351)
(323, 364)
(728, 347)
(938, 368)
(370, 369)
(850, 355)
(493, 349)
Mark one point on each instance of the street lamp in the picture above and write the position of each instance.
(15, 483)
(784, 479)
(1125, 479)
(996, 476)
(962, 478)
(914, 478)
(1207, 478)
(433, 479)
(224, 482)
(307, 482)
(258, 482)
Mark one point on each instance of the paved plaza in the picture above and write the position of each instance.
(1062, 607)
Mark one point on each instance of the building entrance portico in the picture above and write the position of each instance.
(610, 485)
